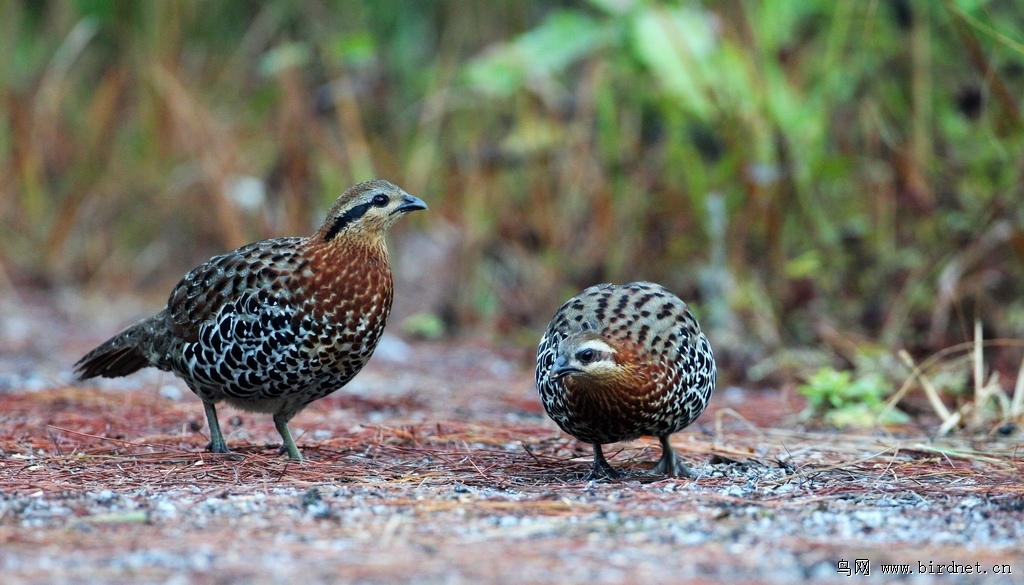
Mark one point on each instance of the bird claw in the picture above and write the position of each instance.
(223, 451)
(217, 448)
(294, 456)
(673, 466)
(600, 472)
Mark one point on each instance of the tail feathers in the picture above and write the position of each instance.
(111, 362)
(123, 354)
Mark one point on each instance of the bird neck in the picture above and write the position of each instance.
(344, 261)
(609, 382)
(356, 245)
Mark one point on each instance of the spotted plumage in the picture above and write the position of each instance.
(273, 326)
(622, 361)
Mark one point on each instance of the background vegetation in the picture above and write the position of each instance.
(827, 182)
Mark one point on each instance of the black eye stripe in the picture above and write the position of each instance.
(346, 218)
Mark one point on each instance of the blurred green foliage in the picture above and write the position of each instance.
(862, 160)
(845, 401)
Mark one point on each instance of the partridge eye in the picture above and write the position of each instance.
(586, 356)
(380, 200)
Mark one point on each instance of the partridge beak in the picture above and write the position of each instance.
(561, 369)
(410, 203)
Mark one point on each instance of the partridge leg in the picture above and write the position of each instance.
(217, 443)
(288, 446)
(670, 464)
(602, 469)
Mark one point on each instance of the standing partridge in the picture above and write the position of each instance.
(622, 361)
(275, 325)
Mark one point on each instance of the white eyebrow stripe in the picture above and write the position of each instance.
(596, 345)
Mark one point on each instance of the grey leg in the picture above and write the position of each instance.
(602, 469)
(670, 464)
(286, 435)
(217, 443)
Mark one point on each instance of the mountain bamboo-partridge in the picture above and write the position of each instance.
(622, 361)
(277, 324)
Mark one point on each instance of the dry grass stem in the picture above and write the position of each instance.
(930, 392)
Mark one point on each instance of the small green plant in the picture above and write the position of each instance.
(847, 401)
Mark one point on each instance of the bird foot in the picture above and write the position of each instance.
(599, 472)
(673, 466)
(292, 452)
(214, 447)
(287, 442)
(223, 451)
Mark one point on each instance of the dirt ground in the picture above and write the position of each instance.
(437, 465)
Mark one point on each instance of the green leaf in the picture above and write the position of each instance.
(283, 57)
(848, 401)
(562, 39)
(615, 6)
(864, 416)
(825, 386)
(354, 49)
(677, 45)
(424, 325)
(805, 265)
